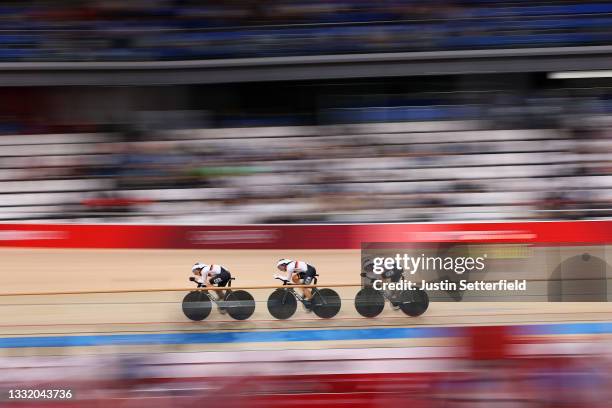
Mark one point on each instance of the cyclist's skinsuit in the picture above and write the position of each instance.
(217, 274)
(304, 271)
(394, 275)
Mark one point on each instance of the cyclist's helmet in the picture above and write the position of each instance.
(283, 262)
(367, 265)
(198, 266)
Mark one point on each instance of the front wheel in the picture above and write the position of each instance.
(197, 305)
(369, 302)
(282, 304)
(240, 304)
(326, 303)
(414, 302)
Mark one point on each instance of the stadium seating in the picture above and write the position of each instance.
(184, 30)
(365, 171)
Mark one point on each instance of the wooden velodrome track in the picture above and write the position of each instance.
(49, 270)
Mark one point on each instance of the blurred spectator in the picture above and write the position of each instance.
(90, 30)
(443, 162)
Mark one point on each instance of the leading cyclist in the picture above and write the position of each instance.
(215, 275)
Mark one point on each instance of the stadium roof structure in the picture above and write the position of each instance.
(548, 59)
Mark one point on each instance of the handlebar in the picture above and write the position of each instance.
(200, 285)
(285, 281)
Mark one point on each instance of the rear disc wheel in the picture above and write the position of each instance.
(326, 303)
(240, 304)
(414, 302)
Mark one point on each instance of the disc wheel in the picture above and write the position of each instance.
(240, 304)
(369, 302)
(326, 303)
(282, 304)
(196, 305)
(414, 302)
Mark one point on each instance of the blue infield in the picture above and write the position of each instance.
(286, 335)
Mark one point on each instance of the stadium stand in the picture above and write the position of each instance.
(364, 165)
(89, 30)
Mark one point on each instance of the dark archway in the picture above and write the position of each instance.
(581, 278)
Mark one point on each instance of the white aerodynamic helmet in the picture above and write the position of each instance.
(367, 265)
(283, 262)
(198, 266)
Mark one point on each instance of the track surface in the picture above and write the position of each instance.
(46, 270)
(160, 312)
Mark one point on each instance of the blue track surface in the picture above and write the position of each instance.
(285, 336)
(566, 328)
(227, 337)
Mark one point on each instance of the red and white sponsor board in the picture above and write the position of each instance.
(297, 236)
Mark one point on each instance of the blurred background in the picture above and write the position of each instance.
(288, 111)
(204, 113)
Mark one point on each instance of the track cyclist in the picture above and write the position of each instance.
(214, 275)
(392, 275)
(298, 272)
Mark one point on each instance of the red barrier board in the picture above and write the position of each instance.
(296, 236)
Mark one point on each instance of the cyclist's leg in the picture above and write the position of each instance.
(388, 293)
(221, 281)
(296, 278)
(308, 279)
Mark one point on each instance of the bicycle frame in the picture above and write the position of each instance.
(294, 293)
(213, 298)
(297, 296)
(386, 293)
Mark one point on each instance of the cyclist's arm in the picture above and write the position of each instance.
(290, 271)
(206, 276)
(213, 272)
